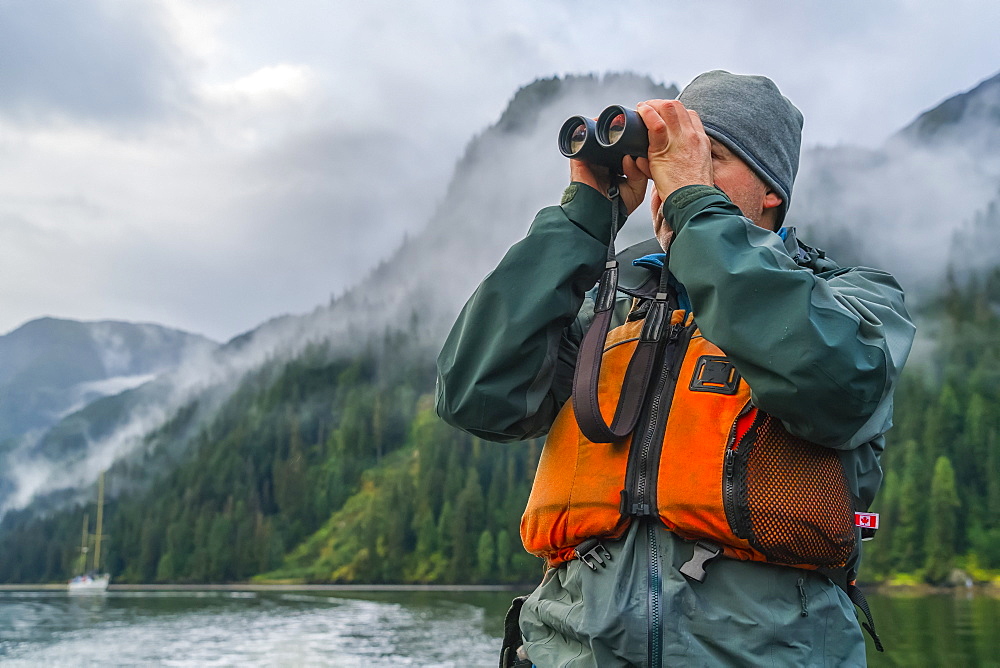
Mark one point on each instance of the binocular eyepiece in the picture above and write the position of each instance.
(618, 132)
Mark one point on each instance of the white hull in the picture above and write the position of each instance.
(89, 585)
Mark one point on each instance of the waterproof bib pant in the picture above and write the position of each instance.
(745, 614)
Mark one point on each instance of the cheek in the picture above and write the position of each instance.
(746, 192)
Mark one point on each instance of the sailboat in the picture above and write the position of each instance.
(91, 581)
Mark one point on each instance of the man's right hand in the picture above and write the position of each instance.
(632, 189)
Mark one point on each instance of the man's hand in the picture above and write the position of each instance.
(680, 153)
(632, 189)
(661, 229)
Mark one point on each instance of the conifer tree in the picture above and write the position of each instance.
(503, 553)
(940, 542)
(485, 556)
(909, 511)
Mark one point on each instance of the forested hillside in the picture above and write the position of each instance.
(940, 501)
(340, 463)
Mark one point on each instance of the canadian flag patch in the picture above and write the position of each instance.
(866, 520)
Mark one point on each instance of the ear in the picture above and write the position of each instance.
(771, 200)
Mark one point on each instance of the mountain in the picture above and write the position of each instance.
(65, 382)
(307, 448)
(52, 367)
(969, 120)
(883, 207)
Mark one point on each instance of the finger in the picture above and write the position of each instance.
(696, 121)
(683, 114)
(675, 119)
(635, 180)
(655, 127)
(643, 165)
(672, 119)
(631, 169)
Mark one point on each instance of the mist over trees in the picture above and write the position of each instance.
(321, 469)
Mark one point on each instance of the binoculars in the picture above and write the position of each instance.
(617, 132)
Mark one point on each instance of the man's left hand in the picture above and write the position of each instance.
(680, 153)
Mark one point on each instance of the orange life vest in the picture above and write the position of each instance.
(702, 458)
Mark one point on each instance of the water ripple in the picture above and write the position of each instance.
(220, 629)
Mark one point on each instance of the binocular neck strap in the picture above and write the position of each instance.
(640, 369)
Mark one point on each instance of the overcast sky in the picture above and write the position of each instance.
(209, 164)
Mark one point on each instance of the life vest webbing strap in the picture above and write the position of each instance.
(512, 639)
(858, 599)
(845, 579)
(587, 375)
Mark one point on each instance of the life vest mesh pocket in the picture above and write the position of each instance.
(797, 500)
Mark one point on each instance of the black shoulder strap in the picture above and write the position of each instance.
(640, 368)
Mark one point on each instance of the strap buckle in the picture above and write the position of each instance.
(704, 552)
(592, 553)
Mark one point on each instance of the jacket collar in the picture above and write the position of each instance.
(641, 280)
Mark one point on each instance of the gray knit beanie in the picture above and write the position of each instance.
(755, 121)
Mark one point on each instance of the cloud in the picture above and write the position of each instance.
(282, 82)
(89, 60)
(211, 163)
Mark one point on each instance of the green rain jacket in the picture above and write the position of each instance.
(821, 347)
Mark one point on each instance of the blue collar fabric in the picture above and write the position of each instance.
(656, 262)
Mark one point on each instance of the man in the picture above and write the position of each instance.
(805, 353)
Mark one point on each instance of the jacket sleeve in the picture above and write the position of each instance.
(822, 352)
(506, 368)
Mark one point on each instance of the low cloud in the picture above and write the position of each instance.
(90, 60)
(209, 164)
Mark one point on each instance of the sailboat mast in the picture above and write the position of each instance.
(100, 523)
(85, 539)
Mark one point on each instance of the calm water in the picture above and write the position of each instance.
(381, 629)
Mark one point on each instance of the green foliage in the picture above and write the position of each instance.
(940, 499)
(421, 516)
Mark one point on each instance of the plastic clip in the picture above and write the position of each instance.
(592, 553)
(704, 552)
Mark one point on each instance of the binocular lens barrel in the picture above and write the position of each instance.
(618, 132)
(622, 130)
(578, 139)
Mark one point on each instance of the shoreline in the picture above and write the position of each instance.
(990, 589)
(281, 587)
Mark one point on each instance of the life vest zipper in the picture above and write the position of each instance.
(638, 498)
(738, 522)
